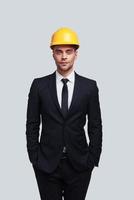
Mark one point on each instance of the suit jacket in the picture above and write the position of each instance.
(45, 147)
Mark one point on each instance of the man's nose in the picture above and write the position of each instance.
(64, 55)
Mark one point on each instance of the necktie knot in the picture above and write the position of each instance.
(64, 80)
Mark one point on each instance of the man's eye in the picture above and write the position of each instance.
(69, 51)
(58, 52)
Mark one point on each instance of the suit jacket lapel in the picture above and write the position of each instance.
(53, 92)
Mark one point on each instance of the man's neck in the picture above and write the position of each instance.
(65, 74)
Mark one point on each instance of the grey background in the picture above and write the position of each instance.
(106, 33)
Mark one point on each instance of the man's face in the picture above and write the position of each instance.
(64, 56)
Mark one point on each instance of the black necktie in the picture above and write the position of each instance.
(64, 105)
(64, 102)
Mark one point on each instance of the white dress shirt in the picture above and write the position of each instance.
(59, 86)
(70, 85)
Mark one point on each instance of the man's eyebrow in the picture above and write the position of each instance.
(69, 49)
(58, 49)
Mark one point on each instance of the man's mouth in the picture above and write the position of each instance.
(64, 63)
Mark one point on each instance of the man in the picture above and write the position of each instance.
(62, 159)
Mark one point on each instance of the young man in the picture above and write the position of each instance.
(63, 160)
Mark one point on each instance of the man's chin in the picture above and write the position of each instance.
(64, 68)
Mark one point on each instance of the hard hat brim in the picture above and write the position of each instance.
(76, 46)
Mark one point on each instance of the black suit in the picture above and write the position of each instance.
(43, 106)
(45, 154)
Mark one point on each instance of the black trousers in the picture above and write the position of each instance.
(65, 182)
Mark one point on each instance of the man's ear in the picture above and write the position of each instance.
(76, 53)
(53, 54)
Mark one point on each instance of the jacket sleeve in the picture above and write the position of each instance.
(33, 122)
(94, 126)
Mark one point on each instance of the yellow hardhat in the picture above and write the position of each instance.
(63, 36)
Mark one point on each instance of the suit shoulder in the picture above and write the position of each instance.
(42, 80)
(88, 80)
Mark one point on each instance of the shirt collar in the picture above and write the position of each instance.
(70, 77)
